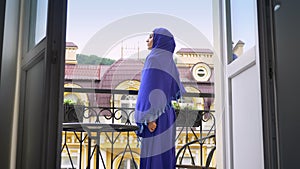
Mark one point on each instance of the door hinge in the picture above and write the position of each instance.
(270, 73)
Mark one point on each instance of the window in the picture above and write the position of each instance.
(128, 101)
(38, 16)
(187, 160)
(66, 163)
(201, 72)
(127, 164)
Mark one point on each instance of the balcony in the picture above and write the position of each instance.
(96, 136)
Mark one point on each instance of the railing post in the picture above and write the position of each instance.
(89, 153)
(201, 136)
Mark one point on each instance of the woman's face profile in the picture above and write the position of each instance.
(150, 41)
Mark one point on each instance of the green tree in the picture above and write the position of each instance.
(93, 60)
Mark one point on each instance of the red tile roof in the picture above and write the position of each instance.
(121, 70)
(82, 72)
(111, 76)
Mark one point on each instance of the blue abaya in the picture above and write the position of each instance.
(160, 84)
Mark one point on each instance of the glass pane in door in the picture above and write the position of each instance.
(38, 21)
(243, 27)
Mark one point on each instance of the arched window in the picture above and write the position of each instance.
(127, 104)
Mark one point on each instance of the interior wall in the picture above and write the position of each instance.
(8, 65)
(287, 28)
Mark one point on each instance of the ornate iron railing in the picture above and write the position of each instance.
(90, 124)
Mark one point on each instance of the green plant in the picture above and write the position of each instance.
(69, 102)
(175, 105)
(72, 102)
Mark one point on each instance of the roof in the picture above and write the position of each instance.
(194, 50)
(238, 44)
(71, 44)
(111, 76)
(121, 70)
(103, 68)
(82, 72)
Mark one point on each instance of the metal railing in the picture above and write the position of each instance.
(113, 117)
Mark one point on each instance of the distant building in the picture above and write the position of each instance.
(190, 56)
(71, 53)
(195, 66)
(238, 48)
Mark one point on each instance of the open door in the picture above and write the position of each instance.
(243, 117)
(39, 136)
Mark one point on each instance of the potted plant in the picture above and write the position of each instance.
(73, 111)
(186, 115)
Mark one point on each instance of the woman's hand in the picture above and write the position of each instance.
(152, 126)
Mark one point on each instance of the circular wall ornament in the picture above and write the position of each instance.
(201, 72)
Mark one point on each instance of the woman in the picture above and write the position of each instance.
(154, 114)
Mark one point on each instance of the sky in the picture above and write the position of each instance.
(86, 18)
(243, 15)
(101, 27)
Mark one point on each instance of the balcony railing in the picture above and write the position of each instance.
(104, 137)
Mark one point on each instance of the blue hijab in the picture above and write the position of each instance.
(160, 83)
